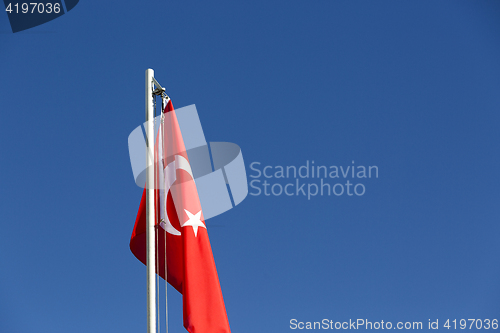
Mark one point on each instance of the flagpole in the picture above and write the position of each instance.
(150, 205)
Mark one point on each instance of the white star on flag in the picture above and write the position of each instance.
(194, 221)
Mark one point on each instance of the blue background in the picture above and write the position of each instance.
(411, 87)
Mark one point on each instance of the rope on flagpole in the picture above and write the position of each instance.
(163, 105)
(160, 91)
(156, 225)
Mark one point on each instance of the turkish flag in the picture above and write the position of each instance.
(182, 239)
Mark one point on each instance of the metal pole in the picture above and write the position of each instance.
(150, 205)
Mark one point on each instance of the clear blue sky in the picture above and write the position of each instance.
(409, 86)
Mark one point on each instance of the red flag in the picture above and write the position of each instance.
(182, 235)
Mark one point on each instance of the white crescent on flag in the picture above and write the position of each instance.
(167, 178)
